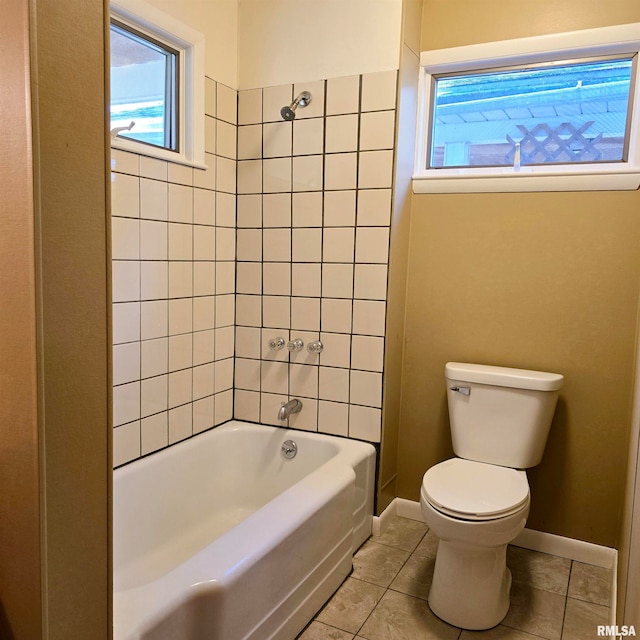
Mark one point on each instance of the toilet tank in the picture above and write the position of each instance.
(500, 415)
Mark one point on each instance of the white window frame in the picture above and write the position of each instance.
(606, 41)
(189, 43)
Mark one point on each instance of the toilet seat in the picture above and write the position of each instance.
(471, 490)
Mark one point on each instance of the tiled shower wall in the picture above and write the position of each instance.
(313, 222)
(173, 246)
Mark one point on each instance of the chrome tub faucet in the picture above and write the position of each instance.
(288, 408)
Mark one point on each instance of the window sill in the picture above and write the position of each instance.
(154, 152)
(450, 182)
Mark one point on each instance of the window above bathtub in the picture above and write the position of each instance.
(157, 84)
(551, 113)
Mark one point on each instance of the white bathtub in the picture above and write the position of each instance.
(220, 537)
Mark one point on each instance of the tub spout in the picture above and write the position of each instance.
(286, 409)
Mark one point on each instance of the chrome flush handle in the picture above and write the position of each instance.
(465, 391)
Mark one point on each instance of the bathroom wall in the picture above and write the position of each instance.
(314, 207)
(173, 249)
(544, 281)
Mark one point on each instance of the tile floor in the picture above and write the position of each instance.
(385, 596)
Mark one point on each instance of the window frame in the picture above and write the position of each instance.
(576, 45)
(160, 28)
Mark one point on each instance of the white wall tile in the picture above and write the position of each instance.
(206, 178)
(305, 314)
(181, 279)
(337, 280)
(180, 316)
(225, 345)
(203, 414)
(307, 245)
(370, 282)
(155, 357)
(180, 241)
(369, 317)
(126, 362)
(203, 347)
(225, 306)
(225, 277)
(204, 207)
(335, 315)
(249, 310)
(154, 199)
(307, 173)
(126, 443)
(154, 433)
(340, 208)
(337, 244)
(180, 174)
(203, 313)
(343, 95)
(305, 279)
(372, 244)
(124, 162)
(269, 407)
(180, 387)
(367, 353)
(337, 350)
(126, 322)
(247, 374)
(153, 240)
(333, 418)
(307, 419)
(303, 356)
(153, 319)
(276, 175)
(249, 245)
(125, 195)
(364, 423)
(303, 381)
(153, 168)
(250, 210)
(180, 351)
(227, 104)
(340, 171)
(276, 209)
(210, 96)
(226, 140)
(374, 207)
(379, 91)
(204, 278)
(375, 169)
(210, 134)
(226, 209)
(249, 176)
(203, 381)
(223, 375)
(274, 377)
(307, 209)
(126, 403)
(180, 203)
(204, 243)
(153, 395)
(250, 106)
(276, 139)
(225, 243)
(180, 423)
(377, 130)
(315, 108)
(342, 133)
(247, 406)
(250, 142)
(264, 352)
(125, 279)
(365, 388)
(333, 384)
(276, 311)
(226, 174)
(308, 137)
(249, 277)
(154, 280)
(223, 409)
(125, 238)
(276, 278)
(276, 245)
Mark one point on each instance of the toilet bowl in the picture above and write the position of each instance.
(475, 510)
(478, 502)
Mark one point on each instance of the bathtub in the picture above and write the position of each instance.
(220, 537)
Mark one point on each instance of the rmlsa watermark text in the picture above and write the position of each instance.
(614, 631)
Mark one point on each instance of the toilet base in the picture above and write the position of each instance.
(471, 585)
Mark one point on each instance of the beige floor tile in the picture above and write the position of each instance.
(539, 570)
(582, 619)
(402, 533)
(590, 583)
(320, 631)
(415, 577)
(498, 633)
(428, 546)
(401, 617)
(351, 605)
(535, 611)
(378, 563)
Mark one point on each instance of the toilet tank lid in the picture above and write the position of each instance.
(503, 376)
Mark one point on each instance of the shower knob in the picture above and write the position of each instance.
(315, 347)
(275, 344)
(295, 345)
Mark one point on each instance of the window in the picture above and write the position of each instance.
(549, 113)
(157, 84)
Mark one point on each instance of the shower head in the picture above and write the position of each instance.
(288, 112)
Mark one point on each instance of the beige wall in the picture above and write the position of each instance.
(544, 281)
(284, 41)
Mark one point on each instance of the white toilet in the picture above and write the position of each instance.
(479, 502)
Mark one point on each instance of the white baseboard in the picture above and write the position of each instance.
(570, 548)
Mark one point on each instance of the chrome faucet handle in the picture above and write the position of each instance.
(315, 347)
(275, 344)
(295, 345)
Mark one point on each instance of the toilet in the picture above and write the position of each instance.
(478, 502)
